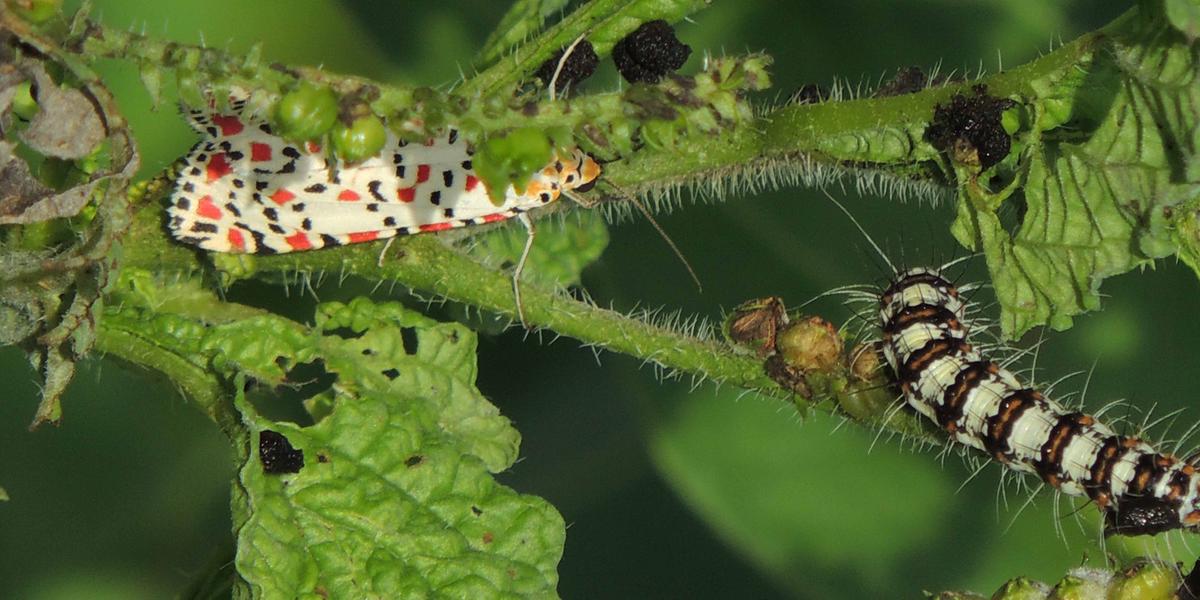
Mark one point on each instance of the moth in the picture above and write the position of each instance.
(245, 189)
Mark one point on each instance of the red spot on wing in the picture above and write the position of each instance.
(207, 209)
(298, 241)
(407, 194)
(229, 124)
(348, 196)
(436, 226)
(282, 196)
(363, 236)
(312, 147)
(260, 152)
(492, 218)
(472, 181)
(218, 167)
(236, 240)
(422, 173)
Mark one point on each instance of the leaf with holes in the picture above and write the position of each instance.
(389, 493)
(1114, 164)
(392, 496)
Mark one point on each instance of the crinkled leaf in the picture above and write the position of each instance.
(62, 288)
(1101, 188)
(402, 352)
(67, 124)
(24, 199)
(394, 498)
(20, 305)
(51, 309)
(561, 250)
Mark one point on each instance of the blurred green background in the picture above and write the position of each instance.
(668, 491)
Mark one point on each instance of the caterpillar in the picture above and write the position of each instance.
(244, 189)
(926, 343)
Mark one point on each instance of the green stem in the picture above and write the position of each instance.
(425, 263)
(603, 22)
(197, 383)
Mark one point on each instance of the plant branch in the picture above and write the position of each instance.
(884, 133)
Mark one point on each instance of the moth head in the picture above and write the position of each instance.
(580, 172)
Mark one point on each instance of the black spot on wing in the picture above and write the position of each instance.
(373, 187)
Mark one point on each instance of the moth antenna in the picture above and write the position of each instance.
(861, 230)
(649, 217)
(561, 62)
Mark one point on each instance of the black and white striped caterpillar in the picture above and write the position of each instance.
(984, 405)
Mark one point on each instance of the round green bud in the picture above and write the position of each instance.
(360, 140)
(306, 113)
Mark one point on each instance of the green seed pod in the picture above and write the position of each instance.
(360, 140)
(1146, 581)
(1022, 588)
(306, 113)
(811, 344)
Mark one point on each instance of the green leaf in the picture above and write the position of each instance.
(561, 250)
(1101, 188)
(436, 365)
(523, 19)
(394, 498)
(3, 495)
(1184, 15)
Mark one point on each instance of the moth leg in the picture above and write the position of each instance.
(383, 253)
(516, 277)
